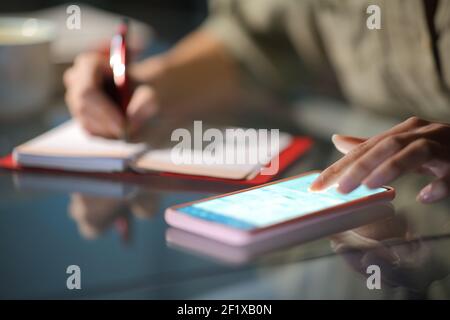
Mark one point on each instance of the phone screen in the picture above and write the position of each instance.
(272, 204)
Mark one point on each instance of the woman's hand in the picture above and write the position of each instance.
(198, 74)
(414, 145)
(94, 109)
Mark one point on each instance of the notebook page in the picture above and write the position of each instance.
(161, 160)
(71, 140)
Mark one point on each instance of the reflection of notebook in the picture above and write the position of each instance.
(74, 184)
(69, 147)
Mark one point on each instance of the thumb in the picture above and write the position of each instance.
(435, 191)
(346, 143)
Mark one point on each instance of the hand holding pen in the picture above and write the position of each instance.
(99, 91)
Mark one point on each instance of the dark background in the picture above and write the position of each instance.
(172, 19)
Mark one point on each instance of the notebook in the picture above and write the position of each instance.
(69, 147)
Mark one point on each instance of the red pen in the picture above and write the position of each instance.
(118, 60)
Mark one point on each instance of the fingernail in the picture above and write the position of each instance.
(425, 195)
(317, 184)
(314, 186)
(333, 137)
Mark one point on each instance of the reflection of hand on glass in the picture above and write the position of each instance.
(370, 237)
(95, 214)
(404, 260)
(143, 206)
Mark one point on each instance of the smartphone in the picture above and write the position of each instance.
(246, 216)
(314, 228)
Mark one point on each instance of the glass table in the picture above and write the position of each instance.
(116, 233)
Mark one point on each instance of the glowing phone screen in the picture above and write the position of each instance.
(272, 204)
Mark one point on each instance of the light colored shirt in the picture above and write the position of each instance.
(314, 45)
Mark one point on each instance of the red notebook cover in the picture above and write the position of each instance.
(298, 147)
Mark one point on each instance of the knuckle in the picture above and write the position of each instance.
(436, 126)
(85, 57)
(356, 151)
(393, 165)
(413, 119)
(416, 121)
(86, 93)
(78, 108)
(330, 171)
(82, 109)
(424, 145)
(361, 166)
(394, 142)
(67, 76)
(81, 58)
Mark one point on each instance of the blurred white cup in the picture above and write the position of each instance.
(26, 69)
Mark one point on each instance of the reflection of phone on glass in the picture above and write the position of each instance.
(261, 212)
(314, 228)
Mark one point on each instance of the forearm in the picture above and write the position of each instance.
(197, 73)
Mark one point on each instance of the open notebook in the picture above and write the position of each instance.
(69, 147)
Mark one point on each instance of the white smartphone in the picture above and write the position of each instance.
(258, 213)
